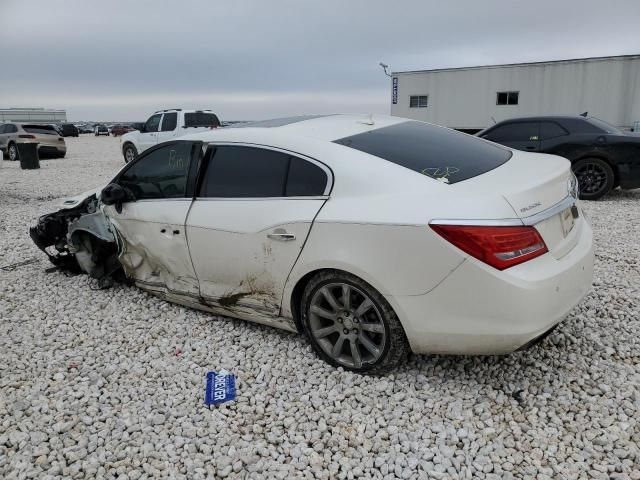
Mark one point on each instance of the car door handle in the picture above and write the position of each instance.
(282, 236)
(531, 148)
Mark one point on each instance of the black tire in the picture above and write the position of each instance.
(129, 152)
(595, 178)
(12, 152)
(391, 339)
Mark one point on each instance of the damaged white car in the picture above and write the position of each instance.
(372, 235)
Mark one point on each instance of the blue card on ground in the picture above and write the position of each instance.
(221, 387)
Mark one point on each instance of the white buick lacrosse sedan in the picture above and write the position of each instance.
(371, 235)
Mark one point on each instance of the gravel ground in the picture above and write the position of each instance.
(93, 384)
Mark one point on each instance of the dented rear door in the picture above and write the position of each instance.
(151, 230)
(248, 224)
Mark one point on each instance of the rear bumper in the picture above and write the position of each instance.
(481, 310)
(629, 175)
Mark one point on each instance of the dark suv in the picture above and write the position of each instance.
(602, 157)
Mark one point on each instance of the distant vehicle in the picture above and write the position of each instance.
(166, 125)
(85, 129)
(101, 130)
(118, 130)
(602, 156)
(50, 143)
(69, 130)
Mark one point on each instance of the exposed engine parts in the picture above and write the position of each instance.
(78, 240)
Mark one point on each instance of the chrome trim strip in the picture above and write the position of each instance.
(488, 222)
(563, 204)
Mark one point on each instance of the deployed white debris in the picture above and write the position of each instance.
(109, 383)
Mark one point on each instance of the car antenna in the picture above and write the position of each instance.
(494, 120)
(584, 114)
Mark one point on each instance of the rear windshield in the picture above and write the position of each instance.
(41, 129)
(436, 152)
(201, 119)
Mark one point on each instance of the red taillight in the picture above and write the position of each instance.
(26, 136)
(500, 247)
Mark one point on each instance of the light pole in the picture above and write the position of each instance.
(384, 67)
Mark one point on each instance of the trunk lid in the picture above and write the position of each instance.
(539, 189)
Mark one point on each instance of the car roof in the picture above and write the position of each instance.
(545, 117)
(320, 127)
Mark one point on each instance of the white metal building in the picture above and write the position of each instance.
(468, 98)
(36, 115)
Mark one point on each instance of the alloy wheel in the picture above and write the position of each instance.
(13, 153)
(592, 178)
(346, 324)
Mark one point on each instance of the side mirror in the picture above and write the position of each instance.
(114, 194)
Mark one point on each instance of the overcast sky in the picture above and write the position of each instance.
(121, 60)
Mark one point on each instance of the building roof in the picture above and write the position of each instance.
(587, 59)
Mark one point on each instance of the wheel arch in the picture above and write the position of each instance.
(605, 158)
(293, 299)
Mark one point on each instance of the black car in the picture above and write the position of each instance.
(602, 156)
(69, 130)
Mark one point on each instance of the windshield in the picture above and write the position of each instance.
(437, 152)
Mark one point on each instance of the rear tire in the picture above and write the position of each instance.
(129, 153)
(351, 325)
(13, 152)
(595, 178)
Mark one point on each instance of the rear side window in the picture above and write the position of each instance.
(201, 119)
(551, 130)
(40, 129)
(10, 128)
(436, 152)
(305, 179)
(252, 172)
(514, 132)
(169, 122)
(245, 172)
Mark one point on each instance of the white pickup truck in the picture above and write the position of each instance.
(165, 125)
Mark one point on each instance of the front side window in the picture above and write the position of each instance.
(153, 123)
(435, 152)
(252, 172)
(514, 132)
(160, 173)
(507, 98)
(418, 101)
(169, 122)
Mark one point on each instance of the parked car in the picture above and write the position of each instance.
(101, 130)
(118, 130)
(69, 130)
(372, 235)
(50, 143)
(166, 125)
(602, 156)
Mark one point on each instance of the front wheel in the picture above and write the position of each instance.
(351, 325)
(130, 153)
(595, 178)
